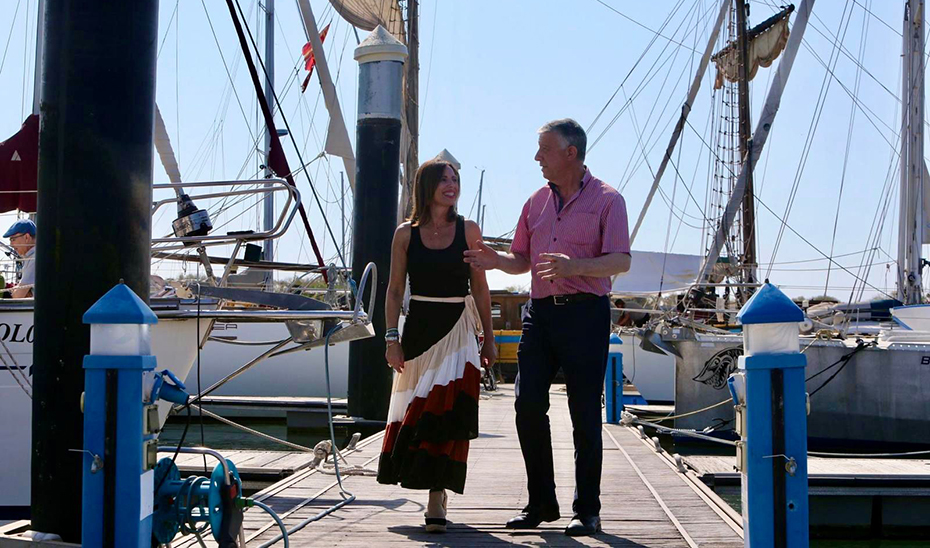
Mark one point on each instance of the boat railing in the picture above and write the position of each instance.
(256, 187)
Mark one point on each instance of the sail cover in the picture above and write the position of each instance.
(368, 14)
(652, 272)
(19, 168)
(766, 42)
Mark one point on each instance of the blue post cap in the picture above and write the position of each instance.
(120, 305)
(769, 305)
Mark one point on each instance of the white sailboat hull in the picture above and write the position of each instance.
(652, 374)
(299, 374)
(882, 396)
(16, 331)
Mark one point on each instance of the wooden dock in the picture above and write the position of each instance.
(646, 500)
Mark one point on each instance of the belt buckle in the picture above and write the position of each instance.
(560, 300)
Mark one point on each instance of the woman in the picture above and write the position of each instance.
(434, 401)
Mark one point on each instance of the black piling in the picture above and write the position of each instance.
(94, 218)
(378, 134)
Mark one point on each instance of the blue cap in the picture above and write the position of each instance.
(769, 305)
(22, 226)
(120, 305)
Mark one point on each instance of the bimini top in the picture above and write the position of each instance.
(769, 305)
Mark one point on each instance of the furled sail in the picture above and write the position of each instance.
(368, 14)
(164, 149)
(766, 42)
(925, 199)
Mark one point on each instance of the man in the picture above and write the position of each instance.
(22, 237)
(573, 236)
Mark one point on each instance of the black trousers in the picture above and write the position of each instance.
(573, 337)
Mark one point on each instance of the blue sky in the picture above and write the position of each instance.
(492, 73)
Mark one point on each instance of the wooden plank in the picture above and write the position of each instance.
(495, 491)
(827, 467)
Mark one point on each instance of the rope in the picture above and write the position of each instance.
(628, 419)
(690, 413)
(251, 431)
(9, 36)
(16, 371)
(844, 360)
(849, 134)
(347, 496)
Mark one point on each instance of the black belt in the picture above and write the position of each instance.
(560, 300)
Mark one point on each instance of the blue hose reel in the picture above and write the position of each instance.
(188, 505)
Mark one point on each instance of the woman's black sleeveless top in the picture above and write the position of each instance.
(434, 273)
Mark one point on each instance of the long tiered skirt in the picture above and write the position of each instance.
(434, 412)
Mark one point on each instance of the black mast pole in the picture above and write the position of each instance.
(745, 147)
(94, 219)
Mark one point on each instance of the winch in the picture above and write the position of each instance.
(191, 221)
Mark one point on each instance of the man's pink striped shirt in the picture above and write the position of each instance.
(590, 224)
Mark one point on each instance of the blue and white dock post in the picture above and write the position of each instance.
(613, 380)
(119, 436)
(771, 416)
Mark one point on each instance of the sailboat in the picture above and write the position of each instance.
(188, 318)
(867, 382)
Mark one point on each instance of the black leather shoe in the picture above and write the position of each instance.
(581, 526)
(530, 518)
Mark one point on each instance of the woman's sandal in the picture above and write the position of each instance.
(438, 525)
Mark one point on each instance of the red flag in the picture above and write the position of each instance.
(310, 60)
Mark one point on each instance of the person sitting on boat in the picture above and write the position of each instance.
(434, 400)
(22, 236)
(573, 236)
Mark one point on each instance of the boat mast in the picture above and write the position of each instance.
(40, 51)
(411, 106)
(763, 129)
(683, 118)
(268, 209)
(911, 215)
(480, 192)
(748, 260)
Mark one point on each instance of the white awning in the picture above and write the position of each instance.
(652, 272)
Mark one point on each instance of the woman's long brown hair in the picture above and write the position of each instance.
(424, 188)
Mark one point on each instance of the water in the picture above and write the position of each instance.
(222, 436)
(732, 496)
(880, 543)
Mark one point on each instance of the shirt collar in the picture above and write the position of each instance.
(560, 202)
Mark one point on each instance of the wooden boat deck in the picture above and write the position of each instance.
(646, 501)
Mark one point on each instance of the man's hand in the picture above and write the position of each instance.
(556, 265)
(482, 257)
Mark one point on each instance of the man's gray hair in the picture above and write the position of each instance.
(571, 132)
